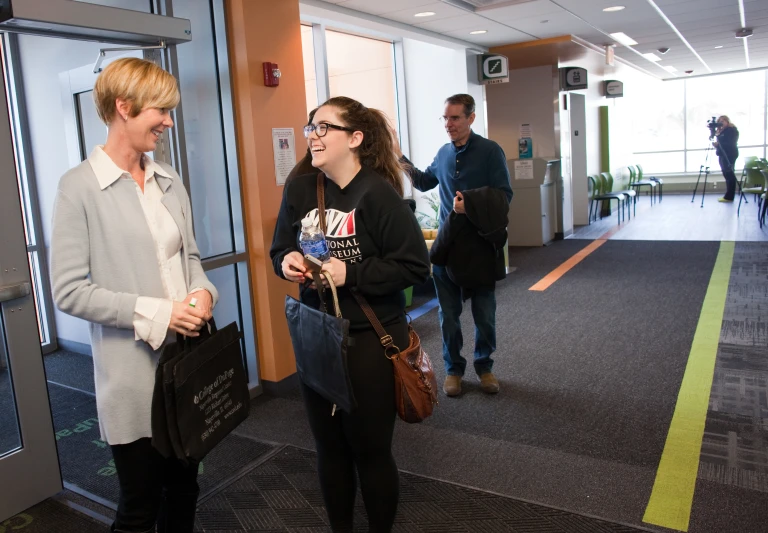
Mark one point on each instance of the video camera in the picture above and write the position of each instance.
(713, 125)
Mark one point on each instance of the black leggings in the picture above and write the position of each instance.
(362, 439)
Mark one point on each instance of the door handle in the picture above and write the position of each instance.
(12, 292)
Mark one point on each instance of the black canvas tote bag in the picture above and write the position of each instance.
(203, 392)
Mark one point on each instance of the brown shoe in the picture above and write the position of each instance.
(489, 383)
(452, 385)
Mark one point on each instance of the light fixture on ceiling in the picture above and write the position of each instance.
(652, 57)
(743, 33)
(424, 14)
(663, 50)
(478, 32)
(720, 46)
(612, 9)
(669, 68)
(544, 21)
(623, 38)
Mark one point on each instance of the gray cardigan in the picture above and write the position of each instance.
(102, 259)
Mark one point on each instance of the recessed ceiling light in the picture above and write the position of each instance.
(652, 57)
(669, 68)
(623, 38)
(614, 8)
(716, 47)
(478, 32)
(424, 14)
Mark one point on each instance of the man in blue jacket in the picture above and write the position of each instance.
(469, 161)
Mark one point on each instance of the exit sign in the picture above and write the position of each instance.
(492, 68)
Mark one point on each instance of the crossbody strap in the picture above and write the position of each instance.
(384, 338)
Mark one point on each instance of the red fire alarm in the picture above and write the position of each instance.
(271, 74)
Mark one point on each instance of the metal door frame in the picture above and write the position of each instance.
(31, 473)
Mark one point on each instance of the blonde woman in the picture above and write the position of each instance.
(124, 258)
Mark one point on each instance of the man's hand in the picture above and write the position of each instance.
(458, 203)
(293, 267)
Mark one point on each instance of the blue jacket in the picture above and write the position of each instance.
(479, 163)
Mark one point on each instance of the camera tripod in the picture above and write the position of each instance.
(705, 169)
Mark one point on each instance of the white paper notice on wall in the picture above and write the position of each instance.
(524, 169)
(284, 146)
(526, 131)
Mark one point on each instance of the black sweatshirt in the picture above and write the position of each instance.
(727, 143)
(371, 228)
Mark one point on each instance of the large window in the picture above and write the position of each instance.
(363, 69)
(310, 77)
(670, 134)
(357, 67)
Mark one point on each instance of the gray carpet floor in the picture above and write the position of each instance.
(283, 495)
(590, 370)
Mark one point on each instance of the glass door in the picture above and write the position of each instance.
(29, 467)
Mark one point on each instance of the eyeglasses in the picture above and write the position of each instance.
(322, 129)
(453, 118)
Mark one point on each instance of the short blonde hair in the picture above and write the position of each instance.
(138, 81)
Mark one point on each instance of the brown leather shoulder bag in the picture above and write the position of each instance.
(415, 382)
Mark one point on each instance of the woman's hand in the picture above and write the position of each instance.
(293, 267)
(336, 269)
(186, 320)
(204, 302)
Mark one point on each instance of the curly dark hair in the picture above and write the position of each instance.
(376, 149)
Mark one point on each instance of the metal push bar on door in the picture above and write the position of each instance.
(14, 291)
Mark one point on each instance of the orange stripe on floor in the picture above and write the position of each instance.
(574, 260)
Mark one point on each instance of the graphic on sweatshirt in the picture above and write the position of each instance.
(341, 234)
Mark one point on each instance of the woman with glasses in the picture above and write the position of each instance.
(377, 249)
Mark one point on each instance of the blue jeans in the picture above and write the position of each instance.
(484, 313)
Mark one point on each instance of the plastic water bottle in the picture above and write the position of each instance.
(312, 241)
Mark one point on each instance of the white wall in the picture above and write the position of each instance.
(526, 99)
(42, 59)
(620, 140)
(432, 73)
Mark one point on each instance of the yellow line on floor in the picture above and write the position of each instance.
(672, 495)
(545, 282)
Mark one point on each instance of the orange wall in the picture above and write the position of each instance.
(259, 31)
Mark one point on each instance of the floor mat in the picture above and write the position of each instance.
(282, 494)
(86, 461)
(51, 516)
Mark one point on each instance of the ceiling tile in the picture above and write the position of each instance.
(441, 10)
(377, 7)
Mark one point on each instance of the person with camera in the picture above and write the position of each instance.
(727, 151)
